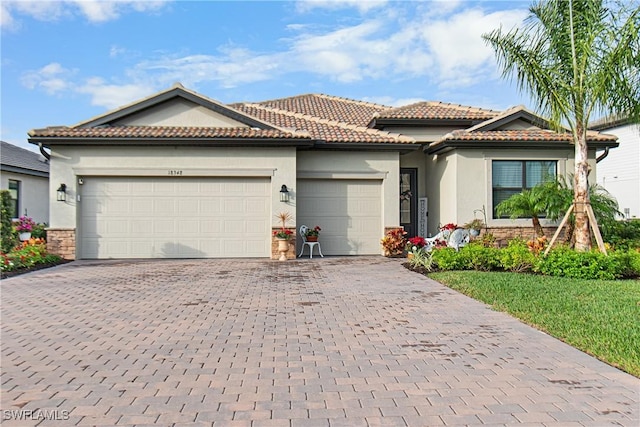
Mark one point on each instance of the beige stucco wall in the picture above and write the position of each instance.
(70, 163)
(365, 163)
(179, 112)
(459, 183)
(34, 194)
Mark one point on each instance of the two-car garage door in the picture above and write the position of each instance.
(151, 217)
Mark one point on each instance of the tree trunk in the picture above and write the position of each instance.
(537, 227)
(581, 192)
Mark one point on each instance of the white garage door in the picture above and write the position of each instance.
(140, 217)
(348, 211)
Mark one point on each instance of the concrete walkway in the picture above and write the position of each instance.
(325, 342)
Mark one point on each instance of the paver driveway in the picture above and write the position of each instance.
(330, 342)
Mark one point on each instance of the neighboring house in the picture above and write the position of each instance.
(26, 175)
(181, 175)
(619, 170)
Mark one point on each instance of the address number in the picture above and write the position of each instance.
(175, 173)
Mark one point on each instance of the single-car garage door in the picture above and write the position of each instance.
(348, 211)
(144, 217)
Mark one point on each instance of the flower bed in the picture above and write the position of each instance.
(28, 256)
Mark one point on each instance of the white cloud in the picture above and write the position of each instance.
(94, 11)
(52, 78)
(363, 6)
(445, 49)
(460, 54)
(112, 96)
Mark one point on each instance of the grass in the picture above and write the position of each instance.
(599, 317)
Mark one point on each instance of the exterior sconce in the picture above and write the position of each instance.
(284, 194)
(62, 193)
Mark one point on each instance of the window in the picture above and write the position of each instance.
(14, 191)
(510, 177)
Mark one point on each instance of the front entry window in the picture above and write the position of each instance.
(408, 201)
(511, 177)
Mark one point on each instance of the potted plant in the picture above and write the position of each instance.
(283, 235)
(474, 226)
(24, 226)
(312, 234)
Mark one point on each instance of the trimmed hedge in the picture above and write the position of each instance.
(560, 262)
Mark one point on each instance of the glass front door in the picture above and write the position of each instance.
(409, 200)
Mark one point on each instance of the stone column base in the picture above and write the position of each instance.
(62, 242)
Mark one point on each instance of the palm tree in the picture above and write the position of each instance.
(530, 203)
(576, 58)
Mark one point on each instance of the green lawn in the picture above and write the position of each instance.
(599, 317)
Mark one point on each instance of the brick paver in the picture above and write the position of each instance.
(353, 341)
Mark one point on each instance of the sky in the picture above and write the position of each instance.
(66, 61)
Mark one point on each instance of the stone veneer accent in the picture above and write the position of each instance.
(62, 242)
(504, 234)
(291, 254)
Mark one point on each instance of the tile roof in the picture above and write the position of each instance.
(21, 158)
(164, 132)
(521, 135)
(433, 110)
(328, 107)
(327, 130)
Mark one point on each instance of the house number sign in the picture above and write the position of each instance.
(173, 172)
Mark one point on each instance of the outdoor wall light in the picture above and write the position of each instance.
(62, 193)
(284, 194)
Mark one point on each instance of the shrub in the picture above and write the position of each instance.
(394, 242)
(627, 263)
(622, 235)
(565, 262)
(517, 257)
(447, 259)
(478, 257)
(39, 231)
(9, 236)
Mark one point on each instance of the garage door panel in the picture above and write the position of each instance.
(175, 217)
(349, 212)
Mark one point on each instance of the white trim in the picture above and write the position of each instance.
(176, 172)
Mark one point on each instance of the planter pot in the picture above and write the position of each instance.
(312, 238)
(283, 248)
(25, 236)
(409, 255)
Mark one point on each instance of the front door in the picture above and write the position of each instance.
(409, 200)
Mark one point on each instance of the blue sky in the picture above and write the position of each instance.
(64, 62)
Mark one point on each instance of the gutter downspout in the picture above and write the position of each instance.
(44, 153)
(603, 155)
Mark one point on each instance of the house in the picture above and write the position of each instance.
(26, 175)
(619, 170)
(181, 175)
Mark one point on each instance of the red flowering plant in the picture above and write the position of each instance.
(315, 231)
(448, 227)
(415, 243)
(283, 233)
(24, 224)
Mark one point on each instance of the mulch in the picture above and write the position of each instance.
(18, 272)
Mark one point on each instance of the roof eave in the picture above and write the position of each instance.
(449, 145)
(24, 171)
(376, 146)
(236, 142)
